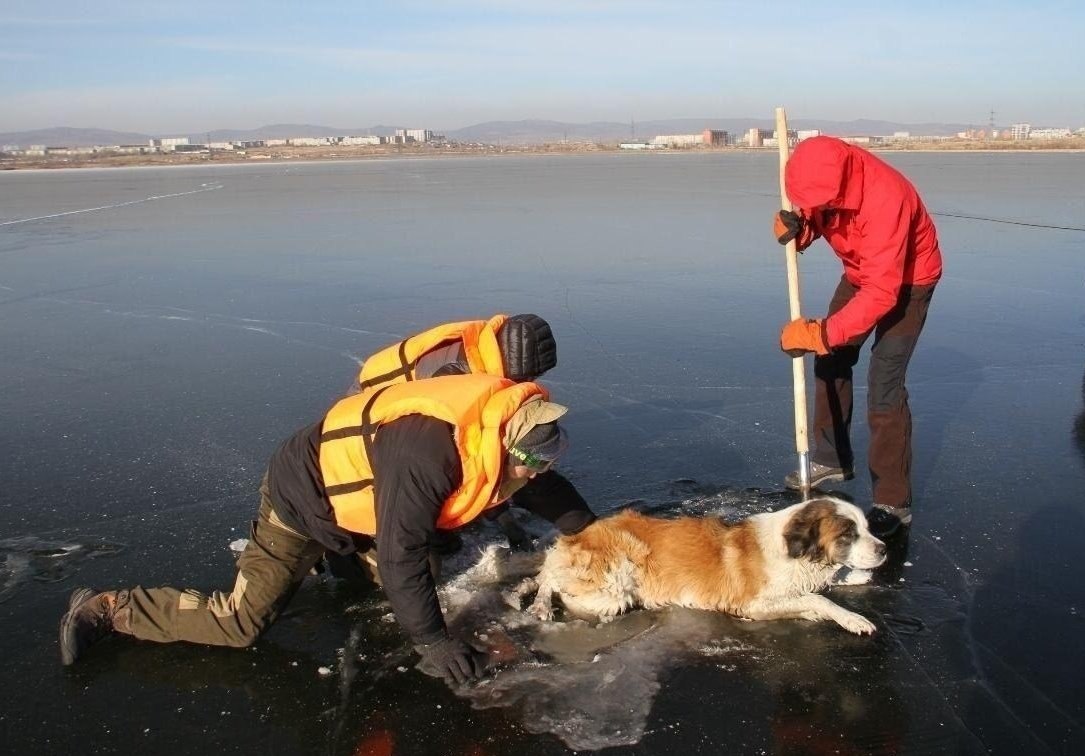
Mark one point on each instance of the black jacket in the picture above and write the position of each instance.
(415, 469)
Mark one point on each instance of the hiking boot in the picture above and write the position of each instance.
(884, 520)
(818, 474)
(89, 619)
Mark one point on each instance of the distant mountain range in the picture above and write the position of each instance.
(492, 132)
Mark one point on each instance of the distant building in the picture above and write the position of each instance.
(1020, 130)
(413, 135)
(168, 144)
(714, 137)
(802, 134)
(678, 140)
(354, 141)
(1048, 133)
(634, 146)
(308, 141)
(275, 142)
(221, 145)
(757, 137)
(792, 138)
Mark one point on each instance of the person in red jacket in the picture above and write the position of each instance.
(876, 224)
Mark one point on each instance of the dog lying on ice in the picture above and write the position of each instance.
(769, 566)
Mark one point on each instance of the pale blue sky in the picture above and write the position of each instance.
(191, 66)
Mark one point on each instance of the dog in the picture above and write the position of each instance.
(769, 566)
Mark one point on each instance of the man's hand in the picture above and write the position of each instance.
(787, 225)
(801, 336)
(451, 659)
(519, 540)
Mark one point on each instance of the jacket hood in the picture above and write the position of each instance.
(820, 172)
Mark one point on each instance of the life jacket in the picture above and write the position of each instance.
(477, 406)
(396, 363)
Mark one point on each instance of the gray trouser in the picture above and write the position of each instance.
(270, 570)
(888, 416)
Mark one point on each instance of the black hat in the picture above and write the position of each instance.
(527, 347)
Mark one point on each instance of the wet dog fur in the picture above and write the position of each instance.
(769, 566)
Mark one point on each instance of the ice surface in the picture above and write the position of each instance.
(155, 353)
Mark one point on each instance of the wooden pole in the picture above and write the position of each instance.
(798, 366)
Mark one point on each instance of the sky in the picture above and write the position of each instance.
(188, 67)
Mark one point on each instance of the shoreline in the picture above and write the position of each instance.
(332, 155)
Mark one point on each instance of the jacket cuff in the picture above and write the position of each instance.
(573, 522)
(428, 639)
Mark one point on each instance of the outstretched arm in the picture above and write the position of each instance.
(552, 497)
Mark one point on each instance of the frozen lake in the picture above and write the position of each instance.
(162, 330)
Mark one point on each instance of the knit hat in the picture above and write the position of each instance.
(527, 347)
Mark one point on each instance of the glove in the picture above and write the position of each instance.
(787, 225)
(519, 540)
(801, 336)
(451, 659)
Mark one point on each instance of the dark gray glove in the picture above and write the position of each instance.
(519, 540)
(451, 659)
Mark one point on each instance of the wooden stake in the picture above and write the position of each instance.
(798, 366)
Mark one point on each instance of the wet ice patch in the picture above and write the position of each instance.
(589, 705)
(48, 561)
(592, 686)
(924, 607)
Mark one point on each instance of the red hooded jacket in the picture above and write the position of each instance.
(873, 219)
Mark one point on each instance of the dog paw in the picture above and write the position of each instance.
(512, 599)
(856, 623)
(541, 612)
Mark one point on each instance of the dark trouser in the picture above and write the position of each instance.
(270, 570)
(895, 337)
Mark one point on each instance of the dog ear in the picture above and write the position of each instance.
(803, 533)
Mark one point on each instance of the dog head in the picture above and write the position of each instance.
(833, 532)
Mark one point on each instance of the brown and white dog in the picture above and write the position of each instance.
(769, 566)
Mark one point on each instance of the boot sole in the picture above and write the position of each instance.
(817, 481)
(69, 649)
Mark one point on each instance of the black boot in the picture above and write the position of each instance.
(885, 521)
(89, 619)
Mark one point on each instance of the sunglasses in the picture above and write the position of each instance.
(530, 460)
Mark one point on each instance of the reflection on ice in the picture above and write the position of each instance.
(30, 558)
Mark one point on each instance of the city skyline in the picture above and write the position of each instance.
(156, 68)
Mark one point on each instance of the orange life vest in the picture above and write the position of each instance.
(396, 362)
(477, 406)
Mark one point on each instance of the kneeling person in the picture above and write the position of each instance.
(390, 467)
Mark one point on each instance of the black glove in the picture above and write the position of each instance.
(451, 659)
(519, 540)
(787, 225)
